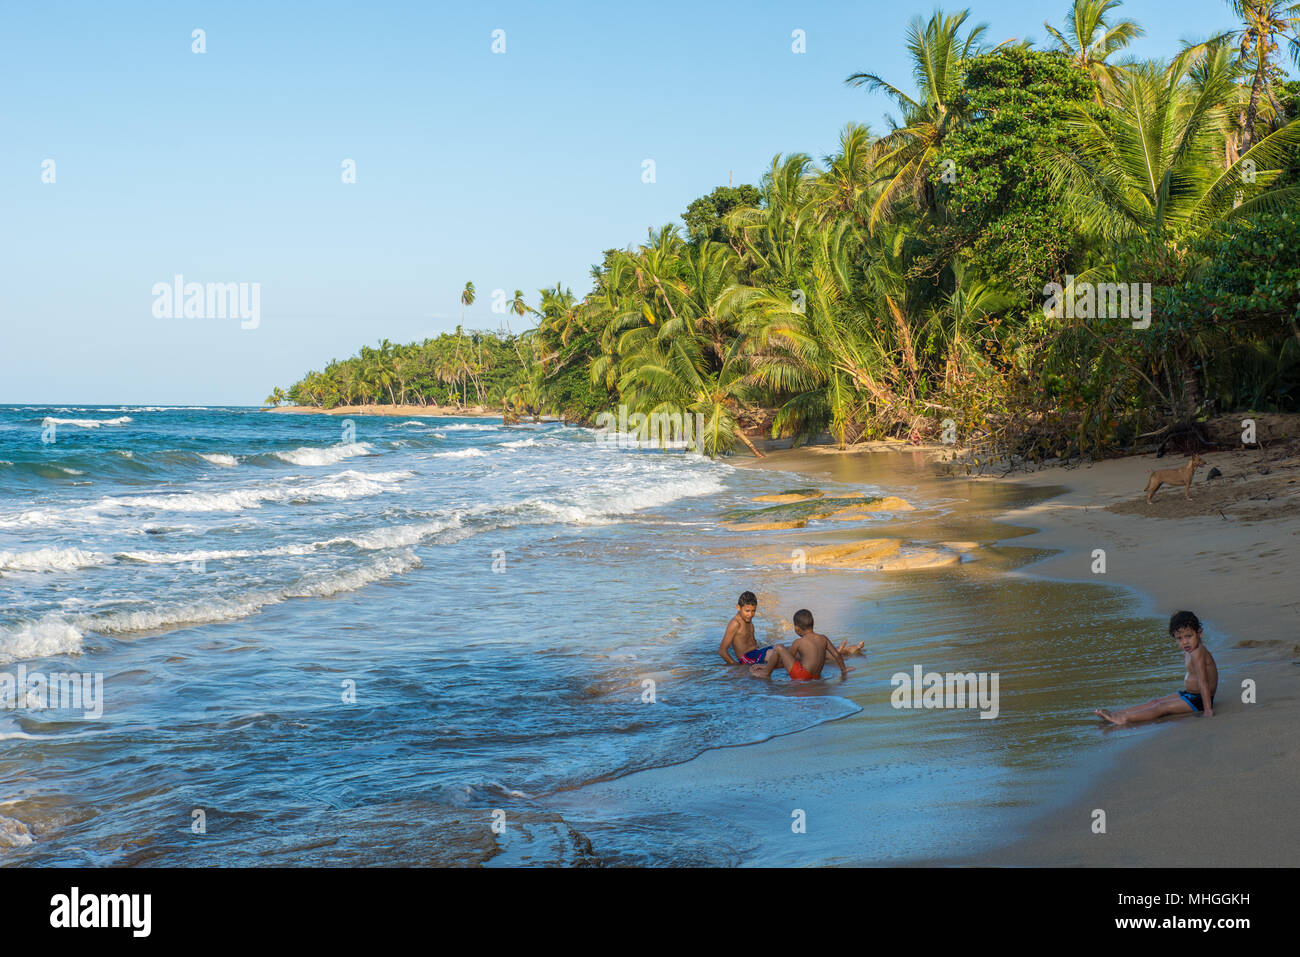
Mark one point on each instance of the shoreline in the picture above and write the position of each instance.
(1186, 793)
(1176, 792)
(1240, 772)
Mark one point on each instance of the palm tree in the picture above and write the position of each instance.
(276, 397)
(1149, 171)
(1088, 39)
(673, 377)
(1264, 23)
(773, 236)
(1148, 178)
(466, 299)
(847, 182)
(911, 150)
(517, 306)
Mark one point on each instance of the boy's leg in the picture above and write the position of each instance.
(846, 649)
(1170, 704)
(778, 657)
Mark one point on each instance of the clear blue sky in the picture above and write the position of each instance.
(513, 171)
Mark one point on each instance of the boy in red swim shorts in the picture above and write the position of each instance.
(806, 655)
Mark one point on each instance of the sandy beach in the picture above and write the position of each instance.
(1182, 791)
(1193, 791)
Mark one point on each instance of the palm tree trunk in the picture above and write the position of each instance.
(1252, 108)
(745, 438)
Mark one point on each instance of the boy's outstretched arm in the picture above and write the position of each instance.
(835, 656)
(728, 638)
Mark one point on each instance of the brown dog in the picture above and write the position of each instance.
(1182, 476)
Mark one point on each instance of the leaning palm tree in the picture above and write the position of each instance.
(913, 149)
(822, 349)
(672, 375)
(1264, 24)
(1088, 39)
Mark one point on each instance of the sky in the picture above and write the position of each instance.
(513, 169)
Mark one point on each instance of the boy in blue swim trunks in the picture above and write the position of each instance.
(1200, 683)
(739, 636)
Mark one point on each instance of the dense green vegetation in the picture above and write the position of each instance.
(902, 281)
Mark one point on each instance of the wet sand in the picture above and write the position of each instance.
(1192, 791)
(1183, 791)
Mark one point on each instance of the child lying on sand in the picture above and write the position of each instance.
(1201, 680)
(806, 656)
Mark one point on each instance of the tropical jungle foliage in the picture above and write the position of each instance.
(900, 281)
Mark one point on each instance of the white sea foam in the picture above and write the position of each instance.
(51, 635)
(13, 832)
(332, 583)
(51, 559)
(178, 558)
(460, 454)
(219, 458)
(327, 455)
(527, 443)
(462, 427)
(345, 485)
(398, 536)
(86, 423)
(57, 635)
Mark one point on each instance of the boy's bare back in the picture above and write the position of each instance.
(806, 656)
(1201, 669)
(810, 651)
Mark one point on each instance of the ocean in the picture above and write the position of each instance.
(387, 641)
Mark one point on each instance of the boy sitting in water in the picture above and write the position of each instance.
(1200, 682)
(739, 636)
(807, 653)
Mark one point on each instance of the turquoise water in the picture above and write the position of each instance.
(351, 642)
